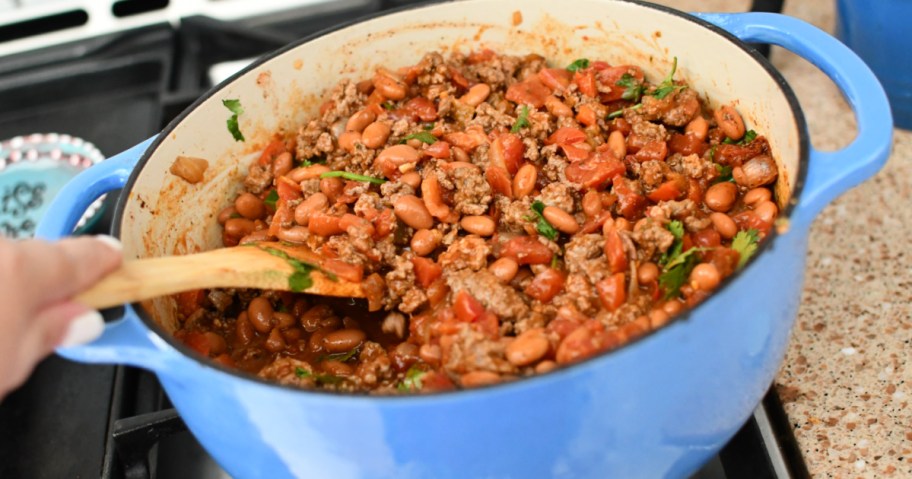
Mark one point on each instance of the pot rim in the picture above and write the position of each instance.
(798, 182)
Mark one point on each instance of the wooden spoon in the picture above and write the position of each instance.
(265, 265)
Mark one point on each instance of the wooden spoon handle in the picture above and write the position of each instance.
(239, 267)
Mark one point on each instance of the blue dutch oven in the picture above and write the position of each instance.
(659, 407)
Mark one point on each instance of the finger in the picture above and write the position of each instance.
(60, 270)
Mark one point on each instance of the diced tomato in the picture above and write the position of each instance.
(585, 81)
(708, 238)
(273, 149)
(436, 381)
(654, 150)
(189, 301)
(383, 224)
(466, 307)
(529, 92)
(324, 224)
(724, 259)
(468, 140)
(595, 172)
(635, 142)
(562, 326)
(694, 190)
(734, 155)
(687, 242)
(595, 224)
(630, 203)
(566, 135)
(499, 180)
(507, 152)
(348, 272)
(458, 79)
(283, 216)
(620, 124)
(225, 360)
(586, 115)
(555, 78)
(440, 149)
(488, 324)
(437, 292)
(687, 145)
(422, 108)
(288, 190)
(670, 190)
(426, 271)
(612, 291)
(611, 75)
(206, 343)
(527, 250)
(546, 285)
(747, 220)
(614, 251)
(574, 153)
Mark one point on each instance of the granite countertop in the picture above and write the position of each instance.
(846, 382)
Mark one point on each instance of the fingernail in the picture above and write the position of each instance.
(110, 241)
(83, 329)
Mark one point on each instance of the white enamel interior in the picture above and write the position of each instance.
(165, 215)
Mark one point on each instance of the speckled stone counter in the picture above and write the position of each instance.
(846, 382)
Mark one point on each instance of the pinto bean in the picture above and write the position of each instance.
(348, 139)
(282, 164)
(672, 307)
(243, 330)
(275, 342)
(332, 187)
(307, 173)
(528, 347)
(560, 219)
(343, 340)
(545, 366)
(249, 206)
(504, 269)
(430, 353)
(524, 181)
(724, 225)
(476, 95)
(226, 214)
(766, 211)
(617, 144)
(399, 155)
(314, 203)
(730, 122)
(322, 224)
(698, 128)
(432, 195)
(705, 276)
(413, 212)
(260, 314)
(721, 196)
(295, 234)
(479, 378)
(647, 272)
(481, 225)
(757, 195)
(592, 203)
(359, 121)
(425, 241)
(238, 227)
(375, 135)
(389, 86)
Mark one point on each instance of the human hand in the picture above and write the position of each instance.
(37, 281)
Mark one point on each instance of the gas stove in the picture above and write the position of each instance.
(115, 79)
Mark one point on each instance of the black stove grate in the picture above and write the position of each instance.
(74, 420)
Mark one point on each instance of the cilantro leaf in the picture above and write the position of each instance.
(578, 64)
(633, 88)
(748, 137)
(522, 120)
(745, 243)
(343, 356)
(353, 176)
(677, 271)
(667, 86)
(412, 381)
(542, 225)
(302, 373)
(620, 112)
(320, 378)
(235, 107)
(313, 161)
(271, 198)
(299, 281)
(388, 105)
(725, 173)
(423, 137)
(677, 230)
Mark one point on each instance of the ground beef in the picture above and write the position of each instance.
(652, 237)
(467, 252)
(473, 194)
(489, 118)
(559, 195)
(652, 172)
(584, 255)
(555, 164)
(692, 166)
(401, 288)
(676, 109)
(258, 179)
(649, 131)
(374, 365)
(578, 294)
(497, 297)
(471, 350)
(515, 216)
(290, 372)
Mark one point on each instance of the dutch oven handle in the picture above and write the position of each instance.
(126, 340)
(830, 173)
